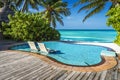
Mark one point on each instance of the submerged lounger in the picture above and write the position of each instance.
(32, 46)
(44, 50)
(35, 49)
(108, 53)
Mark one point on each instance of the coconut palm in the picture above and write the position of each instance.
(94, 6)
(9, 5)
(54, 10)
(25, 4)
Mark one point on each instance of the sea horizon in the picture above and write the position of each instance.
(85, 29)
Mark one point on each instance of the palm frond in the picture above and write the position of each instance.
(18, 2)
(94, 11)
(53, 21)
(63, 11)
(59, 4)
(90, 5)
(60, 20)
(24, 7)
(54, 11)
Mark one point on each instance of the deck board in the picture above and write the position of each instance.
(65, 75)
(35, 73)
(75, 76)
(17, 66)
(86, 76)
(70, 75)
(97, 76)
(109, 75)
(118, 75)
(103, 75)
(92, 75)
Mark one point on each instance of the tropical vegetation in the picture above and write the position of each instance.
(114, 21)
(54, 9)
(24, 5)
(94, 6)
(20, 25)
(9, 6)
(29, 26)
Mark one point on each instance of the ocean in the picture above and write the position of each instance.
(94, 35)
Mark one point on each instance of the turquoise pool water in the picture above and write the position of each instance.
(71, 54)
(88, 35)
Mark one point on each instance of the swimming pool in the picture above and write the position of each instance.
(88, 35)
(71, 54)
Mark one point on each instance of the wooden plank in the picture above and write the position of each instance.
(23, 77)
(81, 76)
(40, 73)
(11, 58)
(6, 54)
(12, 73)
(92, 75)
(103, 75)
(54, 74)
(3, 54)
(35, 73)
(59, 74)
(11, 61)
(109, 75)
(27, 71)
(75, 76)
(65, 75)
(85, 77)
(70, 75)
(46, 75)
(97, 76)
(118, 75)
(115, 76)
(119, 65)
(17, 65)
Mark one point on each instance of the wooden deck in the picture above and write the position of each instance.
(18, 66)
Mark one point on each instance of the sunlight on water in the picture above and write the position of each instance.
(89, 36)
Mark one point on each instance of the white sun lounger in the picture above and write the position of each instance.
(32, 46)
(43, 49)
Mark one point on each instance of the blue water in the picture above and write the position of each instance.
(71, 54)
(88, 35)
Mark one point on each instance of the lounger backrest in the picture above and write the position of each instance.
(32, 46)
(42, 47)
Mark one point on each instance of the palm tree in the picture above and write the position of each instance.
(54, 10)
(9, 5)
(94, 6)
(25, 4)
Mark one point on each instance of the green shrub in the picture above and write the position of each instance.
(25, 27)
(114, 21)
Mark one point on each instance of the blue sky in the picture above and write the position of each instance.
(74, 21)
